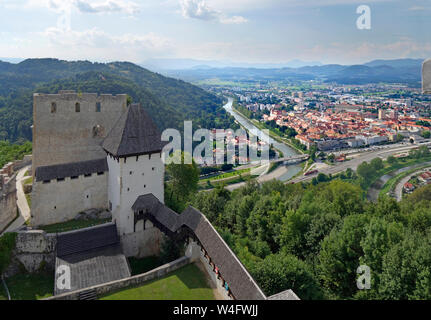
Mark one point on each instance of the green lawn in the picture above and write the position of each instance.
(29, 287)
(139, 266)
(187, 283)
(72, 225)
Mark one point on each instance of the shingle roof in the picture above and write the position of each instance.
(285, 295)
(73, 169)
(240, 282)
(134, 134)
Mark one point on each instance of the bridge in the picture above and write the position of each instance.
(292, 159)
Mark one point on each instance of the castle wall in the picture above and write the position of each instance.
(142, 243)
(63, 135)
(195, 254)
(60, 201)
(129, 179)
(34, 250)
(8, 206)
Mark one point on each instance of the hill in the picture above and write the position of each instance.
(168, 100)
(407, 71)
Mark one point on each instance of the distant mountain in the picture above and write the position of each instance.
(406, 71)
(185, 64)
(169, 101)
(397, 63)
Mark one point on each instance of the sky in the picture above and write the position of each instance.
(248, 31)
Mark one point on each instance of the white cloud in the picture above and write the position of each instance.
(100, 39)
(107, 6)
(198, 9)
(87, 6)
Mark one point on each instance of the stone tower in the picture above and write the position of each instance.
(70, 127)
(134, 150)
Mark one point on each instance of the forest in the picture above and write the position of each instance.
(312, 238)
(169, 101)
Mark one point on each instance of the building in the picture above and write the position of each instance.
(128, 181)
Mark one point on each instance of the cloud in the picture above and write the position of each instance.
(198, 9)
(87, 6)
(107, 6)
(99, 39)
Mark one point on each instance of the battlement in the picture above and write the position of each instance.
(70, 101)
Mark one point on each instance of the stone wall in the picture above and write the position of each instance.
(61, 134)
(8, 205)
(195, 253)
(34, 250)
(142, 243)
(138, 280)
(60, 201)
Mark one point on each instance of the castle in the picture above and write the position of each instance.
(98, 152)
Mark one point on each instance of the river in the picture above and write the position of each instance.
(292, 170)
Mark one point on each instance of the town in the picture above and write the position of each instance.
(339, 117)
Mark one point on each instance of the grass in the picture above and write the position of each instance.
(28, 181)
(139, 266)
(29, 287)
(187, 283)
(226, 175)
(28, 198)
(72, 225)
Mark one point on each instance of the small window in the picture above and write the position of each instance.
(87, 175)
(55, 207)
(46, 181)
(60, 179)
(110, 207)
(74, 177)
(100, 173)
(88, 196)
(53, 107)
(98, 107)
(128, 189)
(131, 172)
(77, 107)
(154, 169)
(145, 185)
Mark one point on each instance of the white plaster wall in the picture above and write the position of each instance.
(60, 201)
(131, 178)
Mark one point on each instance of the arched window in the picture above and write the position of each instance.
(77, 107)
(53, 107)
(98, 107)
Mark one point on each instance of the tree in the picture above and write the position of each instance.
(277, 273)
(183, 182)
(377, 164)
(339, 257)
(426, 134)
(406, 270)
(392, 160)
(331, 157)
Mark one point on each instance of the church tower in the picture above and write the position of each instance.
(134, 150)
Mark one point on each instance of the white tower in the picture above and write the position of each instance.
(134, 149)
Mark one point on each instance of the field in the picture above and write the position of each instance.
(187, 283)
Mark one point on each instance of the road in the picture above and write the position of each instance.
(23, 208)
(354, 163)
(400, 185)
